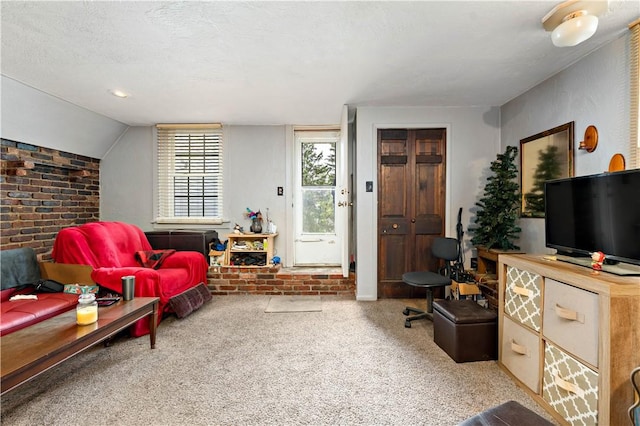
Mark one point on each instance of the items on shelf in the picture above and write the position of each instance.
(247, 259)
(250, 249)
(248, 245)
(217, 252)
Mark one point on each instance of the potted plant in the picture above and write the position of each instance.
(495, 224)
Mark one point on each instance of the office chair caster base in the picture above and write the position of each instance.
(409, 310)
(421, 315)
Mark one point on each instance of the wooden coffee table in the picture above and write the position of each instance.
(39, 347)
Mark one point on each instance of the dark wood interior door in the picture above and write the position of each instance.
(411, 205)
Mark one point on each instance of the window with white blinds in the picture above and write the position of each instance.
(634, 59)
(190, 173)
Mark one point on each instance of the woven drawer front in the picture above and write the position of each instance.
(571, 319)
(522, 297)
(520, 353)
(570, 387)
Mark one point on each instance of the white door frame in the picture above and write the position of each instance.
(290, 159)
(316, 248)
(342, 189)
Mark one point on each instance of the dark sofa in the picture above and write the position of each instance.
(19, 271)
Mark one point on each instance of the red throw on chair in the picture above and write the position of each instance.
(111, 247)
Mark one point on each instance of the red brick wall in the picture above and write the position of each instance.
(43, 190)
(225, 280)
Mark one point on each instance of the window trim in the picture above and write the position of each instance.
(163, 180)
(634, 88)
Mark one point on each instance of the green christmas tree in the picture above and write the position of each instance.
(495, 225)
(548, 168)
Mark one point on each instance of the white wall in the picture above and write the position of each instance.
(593, 91)
(254, 166)
(473, 140)
(34, 117)
(126, 179)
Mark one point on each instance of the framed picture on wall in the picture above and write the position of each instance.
(545, 156)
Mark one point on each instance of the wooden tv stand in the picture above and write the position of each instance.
(569, 338)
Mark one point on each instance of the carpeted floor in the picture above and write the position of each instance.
(288, 304)
(230, 363)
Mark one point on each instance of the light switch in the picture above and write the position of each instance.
(280, 190)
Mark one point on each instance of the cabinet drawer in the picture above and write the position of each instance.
(571, 319)
(570, 387)
(522, 297)
(520, 353)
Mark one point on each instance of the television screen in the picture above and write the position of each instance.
(595, 213)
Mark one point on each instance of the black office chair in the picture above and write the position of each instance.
(442, 248)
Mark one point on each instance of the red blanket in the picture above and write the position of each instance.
(110, 248)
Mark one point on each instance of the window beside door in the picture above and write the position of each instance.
(318, 171)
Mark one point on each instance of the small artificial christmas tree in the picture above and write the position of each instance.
(496, 219)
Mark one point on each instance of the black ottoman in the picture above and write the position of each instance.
(508, 414)
(465, 330)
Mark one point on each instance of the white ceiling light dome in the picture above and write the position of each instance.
(575, 28)
(574, 21)
(119, 93)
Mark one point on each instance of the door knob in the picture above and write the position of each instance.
(413, 221)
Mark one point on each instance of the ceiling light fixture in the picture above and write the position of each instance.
(118, 93)
(573, 21)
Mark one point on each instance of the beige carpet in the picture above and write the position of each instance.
(284, 304)
(230, 363)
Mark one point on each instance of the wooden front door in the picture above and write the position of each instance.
(411, 205)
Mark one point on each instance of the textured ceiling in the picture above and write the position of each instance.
(284, 62)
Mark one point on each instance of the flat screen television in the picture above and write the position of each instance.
(593, 213)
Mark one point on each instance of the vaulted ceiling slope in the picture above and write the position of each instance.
(293, 62)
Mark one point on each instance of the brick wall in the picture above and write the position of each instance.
(225, 280)
(43, 190)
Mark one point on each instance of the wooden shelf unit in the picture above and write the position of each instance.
(488, 259)
(265, 255)
(569, 337)
(487, 273)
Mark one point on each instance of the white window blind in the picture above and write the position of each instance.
(634, 59)
(190, 173)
